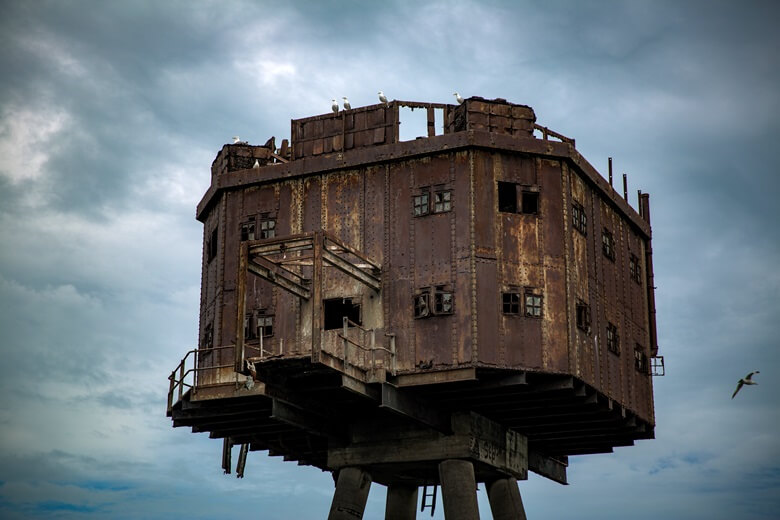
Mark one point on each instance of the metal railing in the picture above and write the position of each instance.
(182, 377)
(547, 133)
(372, 347)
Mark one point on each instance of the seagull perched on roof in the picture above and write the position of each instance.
(257, 164)
(347, 106)
(747, 380)
(382, 97)
(458, 98)
(236, 140)
(335, 107)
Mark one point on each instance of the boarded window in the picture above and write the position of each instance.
(613, 340)
(510, 303)
(335, 310)
(533, 305)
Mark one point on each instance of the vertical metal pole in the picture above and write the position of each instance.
(625, 187)
(373, 349)
(181, 379)
(610, 171)
(392, 355)
(346, 343)
(316, 300)
(241, 307)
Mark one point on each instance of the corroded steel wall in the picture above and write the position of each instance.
(473, 250)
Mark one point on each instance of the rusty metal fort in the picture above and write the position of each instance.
(450, 310)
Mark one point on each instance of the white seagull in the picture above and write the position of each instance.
(236, 140)
(747, 380)
(347, 106)
(382, 97)
(458, 98)
(335, 107)
(257, 164)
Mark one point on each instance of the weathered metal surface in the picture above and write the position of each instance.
(438, 246)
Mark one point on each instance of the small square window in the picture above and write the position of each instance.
(640, 359)
(608, 244)
(510, 303)
(530, 202)
(507, 197)
(267, 228)
(533, 305)
(634, 269)
(442, 301)
(421, 204)
(248, 230)
(583, 316)
(579, 219)
(442, 201)
(613, 340)
(422, 308)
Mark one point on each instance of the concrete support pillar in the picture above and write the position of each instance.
(458, 490)
(401, 503)
(349, 499)
(505, 501)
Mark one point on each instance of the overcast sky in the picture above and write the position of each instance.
(110, 116)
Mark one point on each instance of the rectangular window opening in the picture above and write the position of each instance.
(530, 202)
(422, 307)
(267, 228)
(510, 303)
(583, 316)
(507, 197)
(533, 305)
(335, 309)
(421, 204)
(608, 244)
(412, 123)
(634, 269)
(248, 229)
(442, 301)
(579, 219)
(640, 359)
(442, 201)
(208, 337)
(211, 245)
(613, 341)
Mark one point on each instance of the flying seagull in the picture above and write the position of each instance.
(347, 106)
(335, 107)
(747, 380)
(382, 97)
(458, 98)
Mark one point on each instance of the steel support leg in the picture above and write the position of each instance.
(458, 490)
(349, 499)
(401, 503)
(505, 501)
